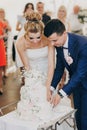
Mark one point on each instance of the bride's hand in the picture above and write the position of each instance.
(27, 68)
(49, 95)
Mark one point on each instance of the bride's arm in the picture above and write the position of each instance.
(21, 48)
(51, 65)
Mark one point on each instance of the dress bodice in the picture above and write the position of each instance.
(38, 58)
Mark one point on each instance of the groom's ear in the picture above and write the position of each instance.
(64, 32)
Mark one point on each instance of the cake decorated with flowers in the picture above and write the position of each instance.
(33, 96)
(33, 102)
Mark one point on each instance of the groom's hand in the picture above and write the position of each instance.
(55, 100)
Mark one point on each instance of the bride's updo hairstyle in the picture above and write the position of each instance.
(34, 23)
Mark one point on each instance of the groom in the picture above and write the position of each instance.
(71, 53)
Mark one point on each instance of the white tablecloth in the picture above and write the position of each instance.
(11, 121)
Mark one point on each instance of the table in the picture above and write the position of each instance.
(11, 121)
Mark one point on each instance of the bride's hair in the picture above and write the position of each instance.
(34, 23)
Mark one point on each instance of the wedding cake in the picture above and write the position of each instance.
(33, 102)
(33, 96)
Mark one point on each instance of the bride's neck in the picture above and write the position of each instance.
(36, 45)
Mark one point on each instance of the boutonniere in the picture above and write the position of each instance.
(69, 59)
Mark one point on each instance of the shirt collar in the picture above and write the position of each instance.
(66, 43)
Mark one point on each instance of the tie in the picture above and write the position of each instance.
(65, 47)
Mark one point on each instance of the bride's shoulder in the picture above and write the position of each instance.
(45, 40)
(20, 42)
(47, 43)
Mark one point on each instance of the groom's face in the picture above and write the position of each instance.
(57, 40)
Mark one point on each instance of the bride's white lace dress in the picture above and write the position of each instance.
(38, 59)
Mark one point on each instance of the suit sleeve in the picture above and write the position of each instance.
(58, 72)
(80, 74)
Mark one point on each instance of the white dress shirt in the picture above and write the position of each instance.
(65, 49)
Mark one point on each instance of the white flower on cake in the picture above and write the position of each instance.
(33, 76)
(69, 59)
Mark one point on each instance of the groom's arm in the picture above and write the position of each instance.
(79, 75)
(59, 70)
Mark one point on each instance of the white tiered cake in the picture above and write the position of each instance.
(33, 96)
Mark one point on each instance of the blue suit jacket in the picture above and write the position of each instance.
(77, 47)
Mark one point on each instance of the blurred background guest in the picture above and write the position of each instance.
(3, 34)
(76, 26)
(44, 15)
(22, 18)
(7, 30)
(62, 16)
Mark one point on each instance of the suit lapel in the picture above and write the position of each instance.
(72, 44)
(73, 48)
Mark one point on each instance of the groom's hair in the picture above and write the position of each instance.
(54, 26)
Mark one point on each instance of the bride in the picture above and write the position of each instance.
(35, 51)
